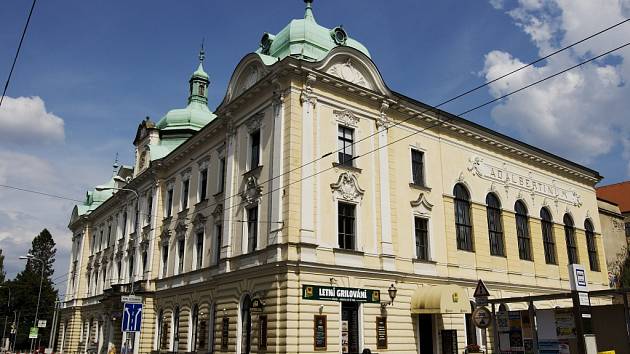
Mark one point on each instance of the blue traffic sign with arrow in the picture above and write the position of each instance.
(132, 318)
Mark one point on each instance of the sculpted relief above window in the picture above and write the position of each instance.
(347, 188)
(346, 71)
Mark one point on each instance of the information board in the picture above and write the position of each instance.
(319, 332)
(381, 332)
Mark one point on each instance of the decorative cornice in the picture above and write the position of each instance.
(346, 117)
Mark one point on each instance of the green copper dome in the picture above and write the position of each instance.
(197, 114)
(305, 39)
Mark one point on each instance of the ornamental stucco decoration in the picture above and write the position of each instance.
(254, 122)
(347, 188)
(383, 122)
(180, 229)
(346, 117)
(217, 213)
(199, 221)
(421, 205)
(252, 191)
(307, 95)
(346, 71)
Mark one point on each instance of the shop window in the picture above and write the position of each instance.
(252, 228)
(246, 325)
(463, 226)
(422, 238)
(417, 167)
(548, 240)
(345, 145)
(254, 149)
(346, 225)
(349, 327)
(522, 231)
(495, 225)
(195, 329)
(449, 341)
(593, 260)
(569, 235)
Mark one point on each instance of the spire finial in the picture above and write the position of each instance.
(309, 10)
(116, 165)
(202, 53)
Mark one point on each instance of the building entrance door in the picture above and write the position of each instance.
(425, 333)
(350, 327)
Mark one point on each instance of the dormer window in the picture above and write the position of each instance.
(201, 90)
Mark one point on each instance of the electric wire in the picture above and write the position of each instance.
(17, 52)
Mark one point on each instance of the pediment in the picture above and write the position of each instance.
(347, 188)
(352, 66)
(421, 205)
(247, 73)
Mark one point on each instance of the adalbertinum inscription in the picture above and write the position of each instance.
(512, 176)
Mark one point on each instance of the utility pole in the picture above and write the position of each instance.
(53, 330)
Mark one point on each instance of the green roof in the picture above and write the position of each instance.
(306, 39)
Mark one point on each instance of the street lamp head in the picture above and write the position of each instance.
(120, 179)
(392, 292)
(100, 189)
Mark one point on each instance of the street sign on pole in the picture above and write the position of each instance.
(132, 317)
(32, 334)
(41, 323)
(481, 294)
(131, 299)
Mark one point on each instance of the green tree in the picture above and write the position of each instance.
(2, 272)
(25, 288)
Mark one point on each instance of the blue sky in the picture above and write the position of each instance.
(98, 68)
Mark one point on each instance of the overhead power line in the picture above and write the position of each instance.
(39, 192)
(17, 52)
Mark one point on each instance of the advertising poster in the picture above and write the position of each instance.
(516, 333)
(344, 336)
(565, 325)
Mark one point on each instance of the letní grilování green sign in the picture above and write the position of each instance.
(333, 293)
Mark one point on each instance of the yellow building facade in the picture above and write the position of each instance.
(311, 177)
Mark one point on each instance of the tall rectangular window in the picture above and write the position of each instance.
(185, 190)
(109, 234)
(591, 246)
(495, 225)
(569, 235)
(124, 225)
(169, 202)
(417, 167)
(149, 208)
(345, 146)
(252, 228)
(222, 168)
(131, 265)
(463, 225)
(548, 241)
(522, 232)
(346, 226)
(145, 259)
(180, 256)
(199, 249)
(254, 149)
(422, 238)
(218, 241)
(164, 259)
(203, 184)
(136, 217)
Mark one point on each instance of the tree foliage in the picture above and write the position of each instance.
(25, 289)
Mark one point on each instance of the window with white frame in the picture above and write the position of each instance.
(164, 259)
(222, 171)
(149, 208)
(145, 260)
(199, 249)
(218, 238)
(417, 167)
(252, 228)
(124, 225)
(185, 190)
(203, 184)
(169, 202)
(180, 255)
(421, 228)
(345, 139)
(346, 225)
(254, 149)
(131, 264)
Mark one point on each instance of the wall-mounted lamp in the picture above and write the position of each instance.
(321, 309)
(333, 281)
(391, 291)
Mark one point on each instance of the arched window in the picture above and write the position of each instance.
(522, 231)
(463, 226)
(547, 231)
(569, 235)
(176, 330)
(195, 329)
(160, 330)
(591, 246)
(246, 325)
(495, 225)
(201, 90)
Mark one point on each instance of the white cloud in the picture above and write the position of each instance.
(583, 113)
(25, 120)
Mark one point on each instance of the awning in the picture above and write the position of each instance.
(440, 299)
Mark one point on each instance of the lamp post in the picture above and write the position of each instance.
(6, 316)
(30, 257)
